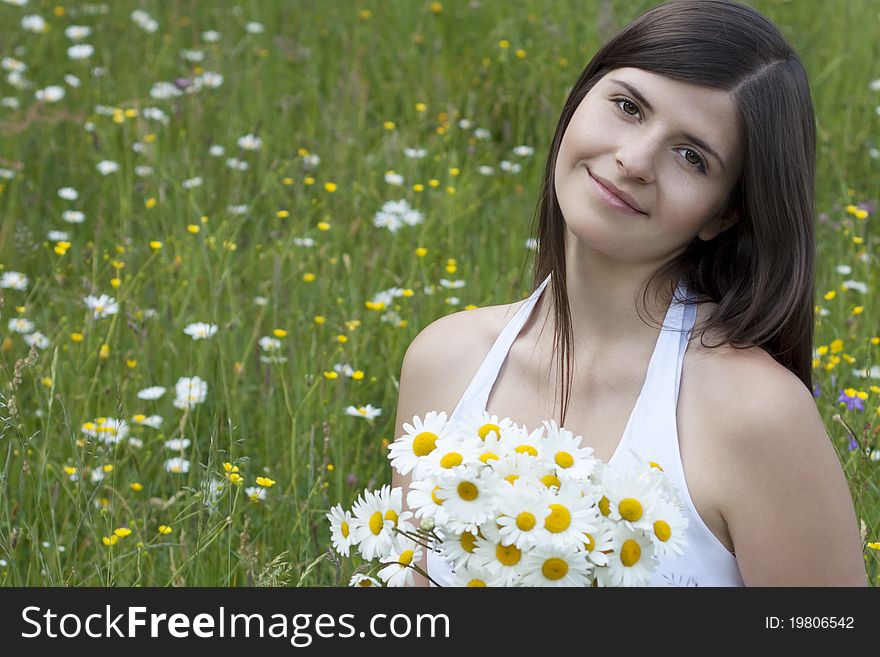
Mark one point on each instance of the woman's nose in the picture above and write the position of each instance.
(636, 160)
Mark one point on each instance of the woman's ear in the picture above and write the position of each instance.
(718, 225)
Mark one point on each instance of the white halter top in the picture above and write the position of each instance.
(651, 434)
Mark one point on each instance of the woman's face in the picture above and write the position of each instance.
(649, 148)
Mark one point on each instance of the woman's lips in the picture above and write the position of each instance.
(610, 198)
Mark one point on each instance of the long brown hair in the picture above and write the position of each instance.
(760, 271)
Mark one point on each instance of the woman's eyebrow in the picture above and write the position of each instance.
(644, 101)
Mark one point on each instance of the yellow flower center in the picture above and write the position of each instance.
(424, 443)
(511, 478)
(434, 497)
(630, 552)
(554, 568)
(662, 530)
(405, 557)
(486, 429)
(525, 521)
(476, 582)
(365, 582)
(467, 491)
(558, 520)
(343, 528)
(468, 541)
(488, 456)
(391, 515)
(550, 480)
(376, 523)
(526, 449)
(451, 460)
(590, 543)
(630, 508)
(564, 459)
(604, 506)
(509, 555)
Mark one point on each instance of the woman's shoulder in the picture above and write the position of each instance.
(731, 379)
(462, 336)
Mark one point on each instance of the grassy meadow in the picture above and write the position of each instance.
(221, 225)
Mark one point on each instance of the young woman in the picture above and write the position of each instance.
(680, 182)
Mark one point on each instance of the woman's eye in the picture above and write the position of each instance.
(617, 101)
(621, 102)
(699, 163)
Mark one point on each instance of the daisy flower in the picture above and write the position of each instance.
(547, 565)
(20, 325)
(631, 496)
(367, 412)
(73, 216)
(503, 562)
(668, 529)
(490, 448)
(452, 451)
(562, 448)
(200, 330)
(370, 529)
(471, 576)
(522, 512)
(419, 439)
(485, 426)
(154, 421)
(512, 466)
(571, 514)
(107, 429)
(255, 493)
(422, 497)
(177, 464)
(469, 497)
(458, 548)
(153, 392)
(106, 167)
(520, 441)
(190, 392)
(68, 193)
(631, 562)
(340, 529)
(38, 339)
(249, 142)
(360, 579)
(598, 544)
(80, 51)
(51, 94)
(77, 32)
(13, 280)
(101, 306)
(399, 571)
(177, 444)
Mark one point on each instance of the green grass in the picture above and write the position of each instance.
(321, 79)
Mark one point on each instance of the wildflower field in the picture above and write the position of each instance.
(222, 224)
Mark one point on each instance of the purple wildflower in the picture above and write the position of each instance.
(853, 445)
(852, 402)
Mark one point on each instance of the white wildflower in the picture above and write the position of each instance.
(200, 330)
(102, 306)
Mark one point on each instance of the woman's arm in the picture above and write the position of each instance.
(787, 503)
(427, 383)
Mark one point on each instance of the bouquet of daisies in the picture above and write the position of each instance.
(507, 507)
